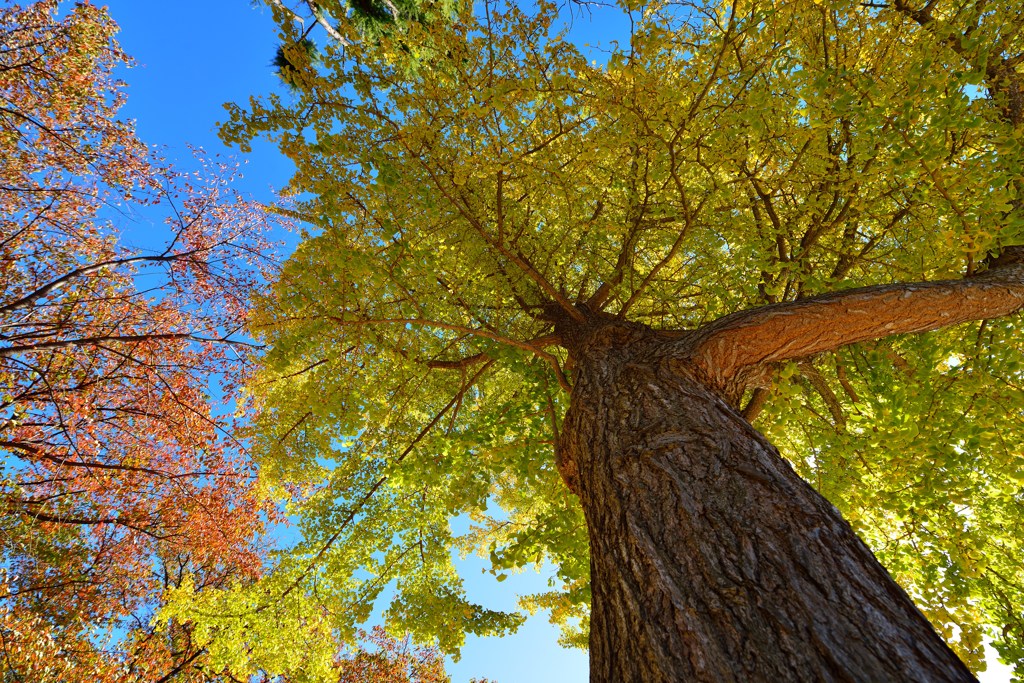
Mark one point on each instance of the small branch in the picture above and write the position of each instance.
(815, 379)
(322, 20)
(844, 382)
(88, 270)
(460, 364)
(92, 341)
(471, 331)
(758, 400)
(39, 454)
(516, 257)
(600, 297)
(672, 252)
(86, 521)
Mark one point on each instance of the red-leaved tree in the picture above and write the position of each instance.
(119, 469)
(391, 660)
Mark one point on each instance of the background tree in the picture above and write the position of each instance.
(343, 22)
(391, 661)
(549, 286)
(120, 473)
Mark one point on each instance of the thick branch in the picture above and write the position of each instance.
(88, 341)
(724, 348)
(83, 271)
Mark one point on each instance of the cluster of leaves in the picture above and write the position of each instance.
(119, 474)
(728, 155)
(392, 661)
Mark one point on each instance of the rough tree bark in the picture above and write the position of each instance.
(711, 560)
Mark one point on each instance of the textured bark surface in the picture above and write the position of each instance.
(711, 559)
(731, 352)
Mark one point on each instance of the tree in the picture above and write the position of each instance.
(120, 473)
(366, 19)
(563, 289)
(394, 661)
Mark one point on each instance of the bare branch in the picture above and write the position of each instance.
(723, 349)
(757, 402)
(825, 391)
(460, 364)
(317, 15)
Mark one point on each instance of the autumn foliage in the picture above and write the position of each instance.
(120, 471)
(390, 660)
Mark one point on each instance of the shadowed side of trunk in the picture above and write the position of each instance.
(711, 559)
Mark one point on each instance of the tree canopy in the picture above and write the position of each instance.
(467, 184)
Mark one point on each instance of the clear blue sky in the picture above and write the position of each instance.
(193, 56)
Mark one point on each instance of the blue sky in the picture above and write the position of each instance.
(193, 56)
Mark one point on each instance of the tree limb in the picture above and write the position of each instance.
(723, 351)
(757, 402)
(83, 271)
(459, 364)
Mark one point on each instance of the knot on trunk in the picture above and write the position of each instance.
(567, 467)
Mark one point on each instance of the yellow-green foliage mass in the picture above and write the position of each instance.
(456, 175)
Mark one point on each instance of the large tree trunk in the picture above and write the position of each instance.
(711, 560)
